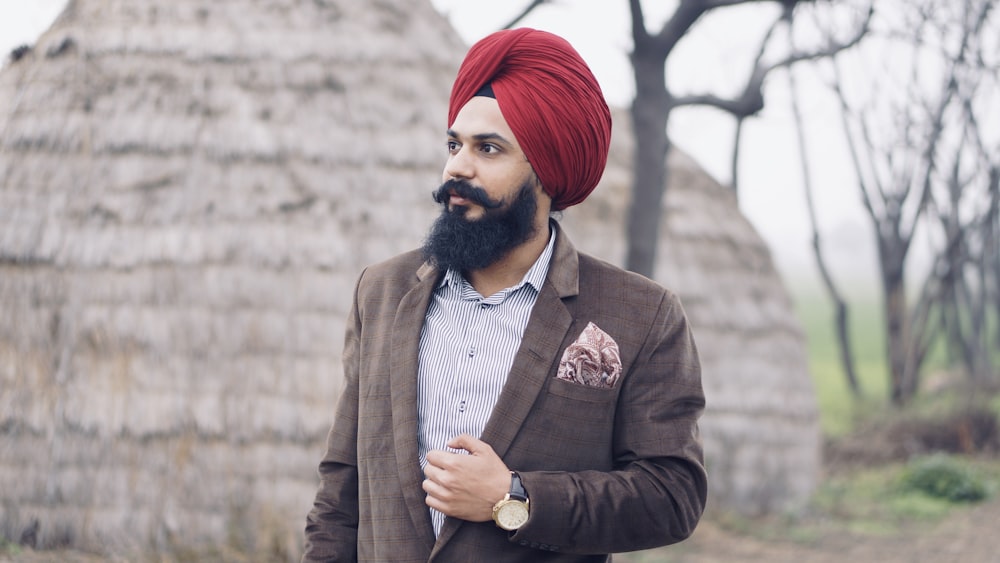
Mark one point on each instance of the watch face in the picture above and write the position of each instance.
(512, 515)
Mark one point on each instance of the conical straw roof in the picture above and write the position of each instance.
(188, 191)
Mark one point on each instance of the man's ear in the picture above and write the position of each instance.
(542, 196)
(536, 182)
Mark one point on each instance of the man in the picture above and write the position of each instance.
(506, 397)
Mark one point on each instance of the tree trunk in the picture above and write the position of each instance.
(840, 306)
(650, 113)
(902, 381)
(844, 345)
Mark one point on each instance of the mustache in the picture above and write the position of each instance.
(467, 191)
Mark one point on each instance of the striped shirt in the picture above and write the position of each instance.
(467, 347)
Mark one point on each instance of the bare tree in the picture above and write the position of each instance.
(929, 167)
(841, 311)
(654, 103)
(965, 206)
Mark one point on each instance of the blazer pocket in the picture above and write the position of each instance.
(580, 392)
(571, 428)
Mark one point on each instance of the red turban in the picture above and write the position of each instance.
(552, 103)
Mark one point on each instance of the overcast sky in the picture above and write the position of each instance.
(714, 58)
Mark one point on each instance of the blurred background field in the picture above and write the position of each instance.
(837, 409)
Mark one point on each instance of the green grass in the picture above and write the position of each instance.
(838, 409)
(8, 547)
(873, 502)
(870, 502)
(872, 499)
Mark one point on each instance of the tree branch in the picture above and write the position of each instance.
(852, 147)
(638, 20)
(840, 306)
(675, 28)
(713, 4)
(524, 13)
(751, 100)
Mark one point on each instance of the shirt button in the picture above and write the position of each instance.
(484, 305)
(472, 351)
(461, 406)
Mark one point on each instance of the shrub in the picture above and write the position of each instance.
(945, 477)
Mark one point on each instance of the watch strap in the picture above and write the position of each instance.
(517, 491)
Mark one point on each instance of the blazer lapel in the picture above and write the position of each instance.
(405, 361)
(541, 346)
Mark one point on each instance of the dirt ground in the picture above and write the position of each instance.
(969, 535)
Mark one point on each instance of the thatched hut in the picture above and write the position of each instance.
(188, 191)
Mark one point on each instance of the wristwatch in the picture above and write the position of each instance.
(512, 511)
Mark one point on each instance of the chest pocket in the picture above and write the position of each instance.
(571, 427)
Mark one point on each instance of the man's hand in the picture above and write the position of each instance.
(466, 486)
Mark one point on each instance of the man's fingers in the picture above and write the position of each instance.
(468, 443)
(435, 494)
(434, 489)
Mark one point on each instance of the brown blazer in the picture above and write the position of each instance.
(607, 470)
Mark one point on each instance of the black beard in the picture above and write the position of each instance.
(466, 245)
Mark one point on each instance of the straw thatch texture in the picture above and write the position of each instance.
(188, 191)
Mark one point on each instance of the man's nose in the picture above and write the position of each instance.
(459, 165)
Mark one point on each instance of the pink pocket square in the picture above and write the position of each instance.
(593, 360)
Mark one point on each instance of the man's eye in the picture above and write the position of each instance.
(490, 149)
(452, 146)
